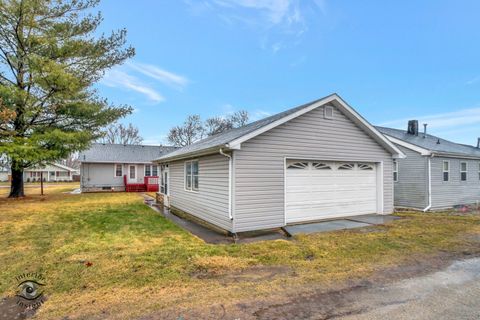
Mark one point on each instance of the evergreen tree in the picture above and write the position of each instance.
(50, 58)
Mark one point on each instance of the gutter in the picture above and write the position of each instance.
(429, 206)
(230, 160)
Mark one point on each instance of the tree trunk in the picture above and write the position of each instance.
(16, 188)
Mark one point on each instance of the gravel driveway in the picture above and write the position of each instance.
(452, 293)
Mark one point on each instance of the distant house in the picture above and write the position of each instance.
(436, 173)
(320, 160)
(4, 174)
(107, 167)
(52, 172)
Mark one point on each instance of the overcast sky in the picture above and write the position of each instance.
(391, 60)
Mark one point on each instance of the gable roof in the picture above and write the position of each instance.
(49, 165)
(232, 139)
(114, 153)
(429, 144)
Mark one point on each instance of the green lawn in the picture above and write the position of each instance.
(105, 253)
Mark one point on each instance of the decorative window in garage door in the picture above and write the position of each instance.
(346, 166)
(298, 165)
(321, 166)
(363, 166)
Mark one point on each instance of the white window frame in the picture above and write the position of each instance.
(326, 114)
(115, 170)
(192, 188)
(395, 171)
(145, 170)
(445, 171)
(464, 171)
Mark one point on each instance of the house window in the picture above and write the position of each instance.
(363, 166)
(446, 170)
(118, 170)
(148, 171)
(320, 166)
(191, 175)
(395, 171)
(151, 170)
(298, 165)
(463, 171)
(164, 179)
(346, 166)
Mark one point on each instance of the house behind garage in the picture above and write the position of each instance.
(103, 166)
(316, 161)
(437, 173)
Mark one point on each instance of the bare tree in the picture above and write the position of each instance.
(186, 134)
(72, 161)
(239, 118)
(193, 129)
(216, 125)
(120, 134)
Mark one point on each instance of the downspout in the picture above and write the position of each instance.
(230, 160)
(429, 184)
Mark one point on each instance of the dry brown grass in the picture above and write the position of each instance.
(141, 262)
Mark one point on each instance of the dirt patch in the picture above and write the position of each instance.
(311, 301)
(10, 310)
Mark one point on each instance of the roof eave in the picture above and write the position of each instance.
(194, 154)
(408, 145)
(455, 155)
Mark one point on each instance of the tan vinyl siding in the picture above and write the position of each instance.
(210, 202)
(454, 192)
(259, 165)
(411, 189)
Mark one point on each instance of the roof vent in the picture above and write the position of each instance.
(438, 141)
(478, 142)
(425, 130)
(413, 127)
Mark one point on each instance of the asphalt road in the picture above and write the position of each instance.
(453, 293)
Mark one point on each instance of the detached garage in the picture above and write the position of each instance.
(318, 161)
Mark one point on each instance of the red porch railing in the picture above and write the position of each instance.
(150, 184)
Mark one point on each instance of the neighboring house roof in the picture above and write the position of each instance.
(430, 144)
(114, 153)
(49, 165)
(233, 138)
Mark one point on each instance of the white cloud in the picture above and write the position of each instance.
(283, 17)
(443, 120)
(164, 76)
(449, 125)
(473, 80)
(259, 114)
(254, 115)
(120, 79)
(155, 140)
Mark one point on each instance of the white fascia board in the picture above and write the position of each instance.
(396, 153)
(422, 151)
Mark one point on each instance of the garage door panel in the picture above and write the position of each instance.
(313, 194)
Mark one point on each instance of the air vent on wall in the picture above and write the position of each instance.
(328, 112)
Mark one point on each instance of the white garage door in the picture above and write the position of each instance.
(321, 190)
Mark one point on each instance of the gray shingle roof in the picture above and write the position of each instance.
(430, 142)
(224, 138)
(107, 153)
